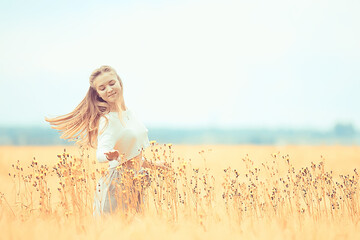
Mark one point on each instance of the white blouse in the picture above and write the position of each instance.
(129, 140)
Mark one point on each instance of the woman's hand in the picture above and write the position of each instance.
(112, 155)
(161, 164)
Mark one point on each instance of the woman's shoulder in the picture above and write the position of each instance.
(132, 111)
(106, 119)
(114, 115)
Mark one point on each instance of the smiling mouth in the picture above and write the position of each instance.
(111, 94)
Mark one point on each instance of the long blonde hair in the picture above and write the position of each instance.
(81, 125)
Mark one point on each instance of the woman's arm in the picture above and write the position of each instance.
(105, 149)
(154, 165)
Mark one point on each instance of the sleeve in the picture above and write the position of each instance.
(104, 141)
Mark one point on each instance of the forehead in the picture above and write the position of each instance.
(104, 78)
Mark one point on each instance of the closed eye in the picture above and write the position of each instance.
(111, 83)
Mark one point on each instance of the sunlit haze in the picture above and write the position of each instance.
(258, 64)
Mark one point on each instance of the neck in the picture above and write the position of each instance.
(117, 107)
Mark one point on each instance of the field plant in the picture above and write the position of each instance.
(273, 189)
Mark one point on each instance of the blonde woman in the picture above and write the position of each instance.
(103, 121)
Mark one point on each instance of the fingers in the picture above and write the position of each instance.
(115, 152)
(112, 155)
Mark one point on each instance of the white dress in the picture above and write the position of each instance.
(111, 194)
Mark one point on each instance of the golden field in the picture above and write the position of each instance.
(213, 191)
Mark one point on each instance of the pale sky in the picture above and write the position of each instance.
(199, 63)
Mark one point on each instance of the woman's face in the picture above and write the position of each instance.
(108, 87)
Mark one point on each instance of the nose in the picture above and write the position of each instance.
(108, 88)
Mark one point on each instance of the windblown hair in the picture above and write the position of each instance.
(82, 124)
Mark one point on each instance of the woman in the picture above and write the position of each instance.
(103, 121)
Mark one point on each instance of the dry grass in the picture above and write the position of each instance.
(256, 192)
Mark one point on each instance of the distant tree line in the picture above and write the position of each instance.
(341, 134)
